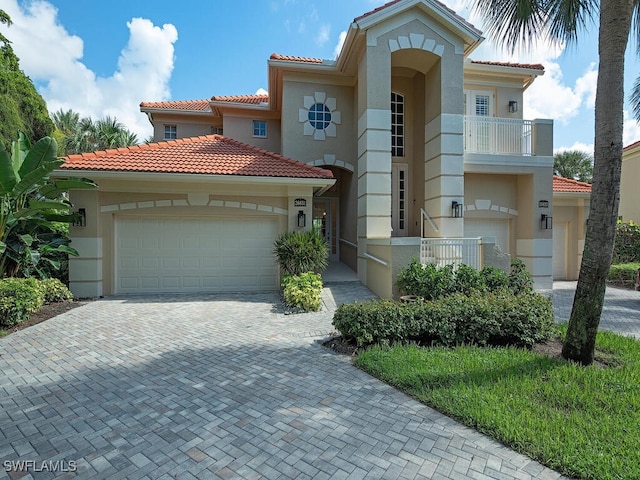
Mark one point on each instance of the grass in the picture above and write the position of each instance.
(582, 422)
(3, 333)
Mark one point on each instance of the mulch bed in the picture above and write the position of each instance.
(47, 311)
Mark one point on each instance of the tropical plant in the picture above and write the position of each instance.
(300, 252)
(521, 22)
(31, 207)
(89, 136)
(574, 164)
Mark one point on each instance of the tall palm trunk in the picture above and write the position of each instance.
(615, 24)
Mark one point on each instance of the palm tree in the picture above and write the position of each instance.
(66, 122)
(515, 22)
(89, 136)
(635, 98)
(574, 164)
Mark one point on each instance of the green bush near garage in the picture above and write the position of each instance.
(21, 297)
(302, 291)
(624, 274)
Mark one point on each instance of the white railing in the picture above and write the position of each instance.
(452, 251)
(498, 136)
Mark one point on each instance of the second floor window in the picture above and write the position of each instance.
(397, 125)
(260, 128)
(170, 132)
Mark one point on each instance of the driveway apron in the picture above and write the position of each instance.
(219, 386)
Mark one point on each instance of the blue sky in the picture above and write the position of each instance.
(104, 58)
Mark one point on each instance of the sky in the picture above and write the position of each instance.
(103, 58)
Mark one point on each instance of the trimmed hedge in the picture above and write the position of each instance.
(431, 282)
(627, 244)
(302, 291)
(20, 297)
(624, 274)
(494, 318)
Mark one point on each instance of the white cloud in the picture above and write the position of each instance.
(262, 91)
(338, 47)
(631, 132)
(53, 58)
(323, 34)
(583, 147)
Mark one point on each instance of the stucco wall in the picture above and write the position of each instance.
(239, 126)
(92, 273)
(629, 193)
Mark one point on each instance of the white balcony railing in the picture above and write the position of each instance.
(452, 251)
(498, 136)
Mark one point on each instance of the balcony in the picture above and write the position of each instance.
(500, 136)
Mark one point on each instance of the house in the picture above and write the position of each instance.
(571, 200)
(401, 147)
(629, 209)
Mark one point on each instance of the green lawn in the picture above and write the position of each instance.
(583, 422)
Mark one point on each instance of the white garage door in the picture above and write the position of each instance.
(497, 228)
(560, 251)
(194, 254)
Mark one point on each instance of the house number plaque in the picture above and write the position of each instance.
(300, 202)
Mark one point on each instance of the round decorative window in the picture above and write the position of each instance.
(319, 116)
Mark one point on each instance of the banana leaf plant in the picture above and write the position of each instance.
(32, 208)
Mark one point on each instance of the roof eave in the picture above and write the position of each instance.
(191, 177)
(151, 110)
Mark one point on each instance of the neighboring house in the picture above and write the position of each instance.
(571, 201)
(629, 209)
(399, 143)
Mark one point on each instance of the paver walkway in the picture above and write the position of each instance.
(219, 386)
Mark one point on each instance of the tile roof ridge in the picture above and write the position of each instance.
(571, 180)
(534, 66)
(160, 102)
(294, 58)
(631, 145)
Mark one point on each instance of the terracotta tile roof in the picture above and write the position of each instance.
(567, 185)
(210, 154)
(533, 66)
(393, 2)
(195, 105)
(252, 99)
(633, 145)
(291, 58)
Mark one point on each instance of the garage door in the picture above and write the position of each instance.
(560, 251)
(193, 254)
(497, 228)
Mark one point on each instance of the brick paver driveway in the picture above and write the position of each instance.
(218, 386)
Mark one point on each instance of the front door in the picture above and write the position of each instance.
(325, 221)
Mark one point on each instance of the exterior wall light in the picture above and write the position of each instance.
(513, 106)
(546, 222)
(302, 219)
(456, 210)
(81, 218)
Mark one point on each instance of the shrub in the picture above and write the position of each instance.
(431, 282)
(624, 274)
(494, 278)
(19, 298)
(299, 252)
(55, 291)
(520, 280)
(428, 281)
(302, 291)
(627, 244)
(499, 318)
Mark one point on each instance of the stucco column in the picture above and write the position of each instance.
(374, 150)
(444, 146)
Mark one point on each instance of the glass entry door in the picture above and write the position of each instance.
(325, 221)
